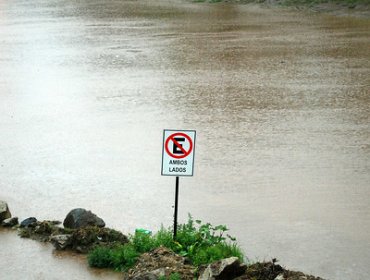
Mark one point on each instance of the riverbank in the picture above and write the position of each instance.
(351, 8)
(199, 252)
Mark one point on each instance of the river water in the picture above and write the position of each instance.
(280, 101)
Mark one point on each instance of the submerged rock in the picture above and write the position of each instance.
(4, 211)
(11, 222)
(29, 222)
(79, 217)
(40, 231)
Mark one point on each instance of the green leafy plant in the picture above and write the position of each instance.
(119, 258)
(201, 243)
(100, 257)
(204, 243)
(147, 242)
(216, 252)
(124, 257)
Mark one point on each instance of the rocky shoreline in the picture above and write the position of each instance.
(83, 231)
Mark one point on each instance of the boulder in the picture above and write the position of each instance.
(29, 222)
(4, 211)
(11, 222)
(225, 269)
(61, 241)
(79, 217)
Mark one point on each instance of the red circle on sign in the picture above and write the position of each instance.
(171, 137)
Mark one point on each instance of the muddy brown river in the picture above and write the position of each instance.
(280, 100)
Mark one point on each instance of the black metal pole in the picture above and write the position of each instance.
(176, 207)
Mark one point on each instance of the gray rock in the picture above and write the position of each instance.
(4, 211)
(80, 217)
(61, 241)
(279, 277)
(29, 222)
(225, 269)
(11, 222)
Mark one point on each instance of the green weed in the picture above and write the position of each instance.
(100, 257)
(200, 243)
(119, 258)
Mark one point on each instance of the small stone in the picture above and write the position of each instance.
(11, 222)
(279, 277)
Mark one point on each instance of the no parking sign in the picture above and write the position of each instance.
(178, 152)
(178, 159)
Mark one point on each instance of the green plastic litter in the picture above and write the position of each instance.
(142, 230)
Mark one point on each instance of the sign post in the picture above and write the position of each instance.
(176, 208)
(178, 159)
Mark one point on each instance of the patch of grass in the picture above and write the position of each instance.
(119, 258)
(204, 243)
(200, 243)
(124, 257)
(101, 257)
(206, 255)
(146, 242)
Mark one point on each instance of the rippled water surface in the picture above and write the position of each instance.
(280, 101)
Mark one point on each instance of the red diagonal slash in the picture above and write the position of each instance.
(178, 145)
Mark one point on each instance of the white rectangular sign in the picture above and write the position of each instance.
(178, 152)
